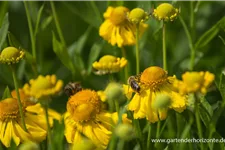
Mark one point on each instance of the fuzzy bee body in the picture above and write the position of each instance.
(133, 82)
(72, 88)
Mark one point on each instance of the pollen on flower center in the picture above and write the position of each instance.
(9, 109)
(108, 59)
(84, 105)
(154, 76)
(118, 15)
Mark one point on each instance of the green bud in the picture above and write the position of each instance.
(161, 101)
(125, 132)
(29, 145)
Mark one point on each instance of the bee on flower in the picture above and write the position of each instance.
(157, 95)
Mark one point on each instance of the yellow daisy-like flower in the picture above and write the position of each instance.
(10, 121)
(195, 82)
(109, 64)
(165, 12)
(116, 29)
(84, 116)
(43, 86)
(11, 55)
(154, 83)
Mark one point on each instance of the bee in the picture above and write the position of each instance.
(72, 88)
(133, 82)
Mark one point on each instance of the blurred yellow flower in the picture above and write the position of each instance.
(116, 29)
(85, 144)
(43, 86)
(137, 15)
(10, 121)
(165, 12)
(193, 82)
(11, 55)
(109, 64)
(154, 83)
(85, 116)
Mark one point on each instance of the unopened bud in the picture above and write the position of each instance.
(29, 145)
(125, 132)
(161, 101)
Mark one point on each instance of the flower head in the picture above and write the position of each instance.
(11, 55)
(165, 12)
(137, 15)
(10, 121)
(109, 64)
(195, 82)
(43, 86)
(85, 116)
(116, 29)
(154, 83)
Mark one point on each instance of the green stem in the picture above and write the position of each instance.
(198, 122)
(192, 49)
(121, 144)
(158, 129)
(32, 37)
(126, 67)
(149, 136)
(138, 132)
(96, 11)
(50, 145)
(137, 50)
(18, 98)
(164, 46)
(57, 24)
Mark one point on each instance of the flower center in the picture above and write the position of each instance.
(118, 15)
(165, 10)
(9, 109)
(10, 52)
(137, 15)
(41, 83)
(107, 59)
(84, 105)
(153, 77)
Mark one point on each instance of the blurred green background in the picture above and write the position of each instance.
(80, 21)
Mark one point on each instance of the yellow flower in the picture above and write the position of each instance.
(137, 15)
(116, 29)
(109, 64)
(154, 82)
(165, 12)
(11, 55)
(10, 124)
(43, 86)
(85, 116)
(195, 82)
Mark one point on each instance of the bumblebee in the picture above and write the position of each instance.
(72, 88)
(133, 82)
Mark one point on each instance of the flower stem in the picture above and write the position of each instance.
(137, 50)
(57, 24)
(32, 37)
(18, 98)
(121, 144)
(164, 46)
(149, 136)
(198, 122)
(126, 67)
(50, 145)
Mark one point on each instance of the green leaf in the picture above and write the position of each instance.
(3, 30)
(3, 10)
(210, 34)
(82, 40)
(46, 22)
(85, 11)
(115, 3)
(94, 53)
(206, 112)
(62, 53)
(13, 40)
(38, 19)
(7, 93)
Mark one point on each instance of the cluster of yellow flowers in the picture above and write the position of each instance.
(155, 92)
